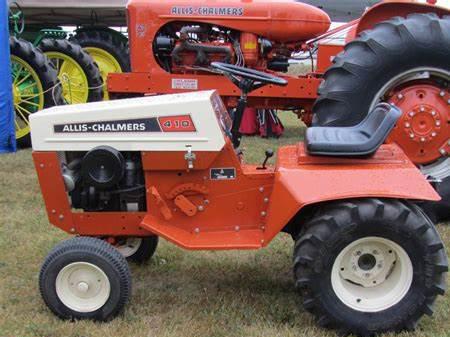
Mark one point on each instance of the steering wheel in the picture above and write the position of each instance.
(259, 78)
(247, 80)
(16, 18)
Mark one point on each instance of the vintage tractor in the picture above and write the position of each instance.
(397, 52)
(47, 70)
(118, 174)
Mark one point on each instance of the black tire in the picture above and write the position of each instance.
(102, 39)
(439, 211)
(372, 60)
(375, 57)
(84, 60)
(45, 71)
(95, 252)
(145, 251)
(339, 224)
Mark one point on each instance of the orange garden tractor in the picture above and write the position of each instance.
(397, 52)
(120, 174)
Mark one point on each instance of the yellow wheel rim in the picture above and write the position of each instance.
(28, 94)
(75, 85)
(106, 62)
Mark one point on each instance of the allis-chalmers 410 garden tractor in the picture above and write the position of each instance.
(397, 52)
(119, 174)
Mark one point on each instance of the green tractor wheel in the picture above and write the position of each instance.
(79, 75)
(35, 85)
(108, 49)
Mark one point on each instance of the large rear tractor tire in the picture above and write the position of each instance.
(77, 71)
(109, 52)
(85, 278)
(403, 61)
(35, 85)
(369, 266)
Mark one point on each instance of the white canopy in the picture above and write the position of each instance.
(69, 12)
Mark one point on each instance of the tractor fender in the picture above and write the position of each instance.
(108, 30)
(313, 180)
(389, 9)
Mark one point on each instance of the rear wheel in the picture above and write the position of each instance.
(370, 266)
(137, 249)
(109, 52)
(403, 61)
(35, 85)
(77, 72)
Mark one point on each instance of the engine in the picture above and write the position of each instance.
(105, 179)
(184, 48)
(186, 37)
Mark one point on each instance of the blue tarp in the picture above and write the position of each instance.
(7, 129)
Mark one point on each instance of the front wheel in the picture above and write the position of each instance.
(370, 266)
(85, 278)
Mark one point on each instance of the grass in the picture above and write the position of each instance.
(178, 293)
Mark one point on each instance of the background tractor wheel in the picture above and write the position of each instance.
(77, 72)
(109, 52)
(85, 278)
(370, 266)
(35, 85)
(404, 61)
(137, 249)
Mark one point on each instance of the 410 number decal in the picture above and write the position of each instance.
(177, 124)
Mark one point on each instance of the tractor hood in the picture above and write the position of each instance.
(279, 20)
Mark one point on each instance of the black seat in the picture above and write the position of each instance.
(361, 140)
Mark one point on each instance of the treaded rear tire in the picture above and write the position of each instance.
(376, 56)
(338, 224)
(106, 41)
(46, 72)
(98, 253)
(84, 60)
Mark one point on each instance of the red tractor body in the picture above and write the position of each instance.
(172, 45)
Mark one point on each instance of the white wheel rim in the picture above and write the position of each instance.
(129, 246)
(82, 287)
(372, 274)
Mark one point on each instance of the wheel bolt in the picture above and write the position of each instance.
(407, 125)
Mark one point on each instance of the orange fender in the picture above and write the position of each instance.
(303, 180)
(389, 9)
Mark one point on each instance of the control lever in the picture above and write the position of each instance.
(269, 154)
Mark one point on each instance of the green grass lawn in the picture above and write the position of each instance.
(178, 293)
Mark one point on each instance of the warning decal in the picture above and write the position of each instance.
(223, 173)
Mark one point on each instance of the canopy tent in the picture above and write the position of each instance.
(7, 130)
(113, 12)
(73, 13)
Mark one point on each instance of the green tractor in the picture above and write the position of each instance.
(48, 70)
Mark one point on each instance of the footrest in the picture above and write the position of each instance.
(211, 240)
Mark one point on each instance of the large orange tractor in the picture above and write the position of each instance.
(397, 52)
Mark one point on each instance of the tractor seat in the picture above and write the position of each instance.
(363, 139)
